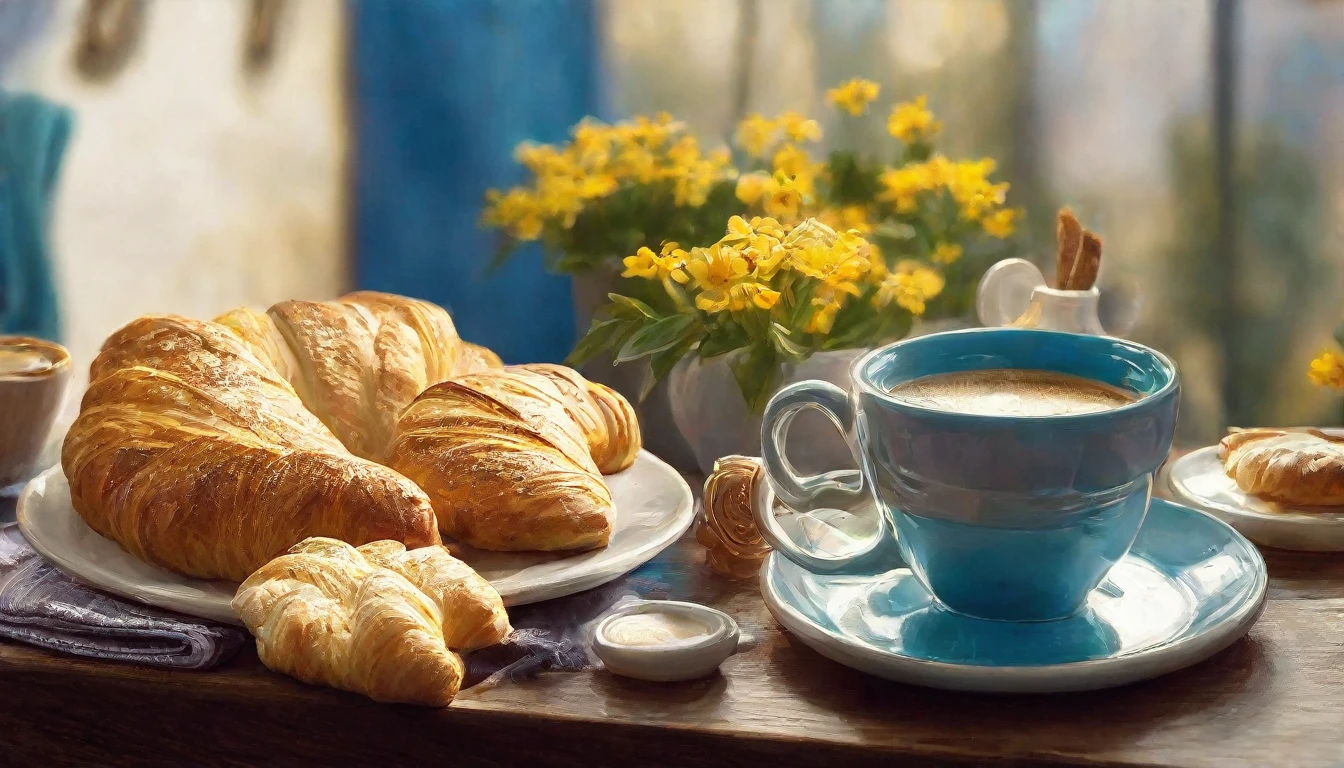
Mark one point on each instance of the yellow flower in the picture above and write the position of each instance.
(912, 121)
(823, 317)
(836, 267)
(751, 187)
(685, 153)
(597, 185)
(1328, 370)
(767, 226)
(538, 158)
(783, 199)
(901, 186)
(809, 232)
(853, 96)
(517, 210)
(651, 133)
(910, 285)
(755, 134)
(758, 242)
(654, 266)
(643, 264)
(794, 162)
(715, 269)
(1000, 223)
(799, 128)
(751, 294)
(946, 253)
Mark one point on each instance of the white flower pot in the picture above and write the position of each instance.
(712, 416)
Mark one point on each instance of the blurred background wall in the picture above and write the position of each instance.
(1204, 139)
(191, 184)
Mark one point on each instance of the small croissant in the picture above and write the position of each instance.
(379, 620)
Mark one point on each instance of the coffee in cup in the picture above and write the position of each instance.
(1012, 392)
(33, 377)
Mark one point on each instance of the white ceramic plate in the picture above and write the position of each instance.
(654, 507)
(1198, 479)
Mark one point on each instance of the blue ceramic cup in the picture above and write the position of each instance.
(1015, 518)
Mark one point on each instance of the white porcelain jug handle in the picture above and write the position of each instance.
(1005, 291)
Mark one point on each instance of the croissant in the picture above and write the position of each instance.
(607, 421)
(211, 447)
(507, 457)
(1301, 467)
(195, 455)
(378, 620)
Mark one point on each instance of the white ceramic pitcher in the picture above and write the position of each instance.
(1014, 293)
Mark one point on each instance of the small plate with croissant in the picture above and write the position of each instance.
(1282, 488)
(205, 449)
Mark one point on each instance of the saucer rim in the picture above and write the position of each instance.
(1061, 677)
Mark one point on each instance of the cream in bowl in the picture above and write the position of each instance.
(33, 377)
(664, 640)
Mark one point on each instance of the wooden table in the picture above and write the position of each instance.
(1273, 699)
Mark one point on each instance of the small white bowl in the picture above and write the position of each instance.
(668, 661)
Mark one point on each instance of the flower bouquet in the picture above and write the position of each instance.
(760, 259)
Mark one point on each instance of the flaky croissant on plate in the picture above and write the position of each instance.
(508, 456)
(210, 448)
(378, 620)
(1301, 467)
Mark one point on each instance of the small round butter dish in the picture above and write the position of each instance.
(664, 640)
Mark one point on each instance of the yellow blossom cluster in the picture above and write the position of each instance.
(759, 261)
(598, 160)
(910, 285)
(853, 96)
(1328, 370)
(968, 184)
(912, 121)
(757, 135)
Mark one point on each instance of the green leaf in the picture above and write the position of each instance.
(1339, 334)
(601, 336)
(662, 363)
(756, 373)
(787, 345)
(635, 304)
(657, 336)
(725, 338)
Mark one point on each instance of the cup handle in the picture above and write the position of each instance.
(804, 493)
(1005, 291)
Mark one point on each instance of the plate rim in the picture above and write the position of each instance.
(681, 520)
(1089, 674)
(1292, 516)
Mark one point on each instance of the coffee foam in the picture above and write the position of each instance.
(1012, 392)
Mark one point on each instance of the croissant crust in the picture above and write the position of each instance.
(378, 620)
(212, 447)
(1300, 467)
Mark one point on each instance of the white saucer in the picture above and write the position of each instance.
(1198, 479)
(1190, 586)
(654, 507)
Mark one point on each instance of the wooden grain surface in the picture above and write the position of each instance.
(1272, 699)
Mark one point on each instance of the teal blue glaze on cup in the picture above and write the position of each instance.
(1011, 518)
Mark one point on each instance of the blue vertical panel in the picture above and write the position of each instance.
(442, 92)
(33, 138)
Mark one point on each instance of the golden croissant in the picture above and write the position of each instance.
(378, 620)
(210, 448)
(1301, 467)
(509, 457)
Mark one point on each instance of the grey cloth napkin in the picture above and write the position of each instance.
(41, 606)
